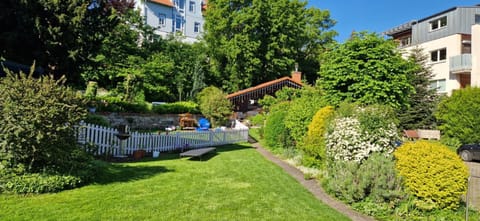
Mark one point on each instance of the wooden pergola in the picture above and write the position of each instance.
(241, 99)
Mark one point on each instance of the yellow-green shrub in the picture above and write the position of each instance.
(432, 173)
(314, 143)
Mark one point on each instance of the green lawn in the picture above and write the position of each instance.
(235, 184)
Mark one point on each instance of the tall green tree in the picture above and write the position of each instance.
(254, 41)
(366, 69)
(422, 103)
(59, 35)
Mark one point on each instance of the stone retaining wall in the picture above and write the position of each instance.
(144, 121)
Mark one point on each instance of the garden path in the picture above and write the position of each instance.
(474, 185)
(313, 186)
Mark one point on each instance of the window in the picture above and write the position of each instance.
(178, 23)
(405, 41)
(477, 19)
(161, 20)
(180, 4)
(196, 27)
(438, 55)
(191, 7)
(439, 85)
(438, 23)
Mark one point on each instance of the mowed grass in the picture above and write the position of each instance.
(237, 183)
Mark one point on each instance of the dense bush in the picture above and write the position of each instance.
(36, 123)
(375, 180)
(458, 115)
(301, 111)
(357, 132)
(436, 176)
(313, 145)
(38, 152)
(276, 133)
(41, 183)
(97, 120)
(214, 105)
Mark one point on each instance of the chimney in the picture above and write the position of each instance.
(297, 75)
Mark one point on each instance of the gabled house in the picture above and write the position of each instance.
(174, 16)
(452, 40)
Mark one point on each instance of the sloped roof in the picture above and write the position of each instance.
(263, 85)
(163, 2)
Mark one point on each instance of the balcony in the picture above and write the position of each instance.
(461, 63)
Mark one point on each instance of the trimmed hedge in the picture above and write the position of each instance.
(276, 133)
(436, 176)
(115, 104)
(177, 108)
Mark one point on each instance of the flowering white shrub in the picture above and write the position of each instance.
(349, 140)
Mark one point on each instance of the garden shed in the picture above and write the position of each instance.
(242, 99)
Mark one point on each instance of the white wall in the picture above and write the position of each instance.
(441, 69)
(475, 74)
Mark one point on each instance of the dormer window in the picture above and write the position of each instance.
(438, 23)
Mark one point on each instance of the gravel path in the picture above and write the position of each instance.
(313, 186)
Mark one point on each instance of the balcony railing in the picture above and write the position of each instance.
(461, 63)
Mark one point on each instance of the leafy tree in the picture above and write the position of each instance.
(120, 49)
(246, 38)
(458, 115)
(153, 69)
(366, 69)
(214, 105)
(189, 70)
(422, 103)
(37, 123)
(59, 35)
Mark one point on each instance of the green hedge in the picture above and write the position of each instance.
(41, 183)
(177, 108)
(115, 104)
(276, 133)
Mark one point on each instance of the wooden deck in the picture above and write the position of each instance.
(197, 152)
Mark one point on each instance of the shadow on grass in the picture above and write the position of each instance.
(175, 155)
(112, 172)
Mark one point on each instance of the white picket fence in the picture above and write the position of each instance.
(106, 141)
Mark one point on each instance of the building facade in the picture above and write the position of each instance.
(184, 17)
(451, 38)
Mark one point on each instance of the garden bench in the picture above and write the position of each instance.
(197, 152)
(422, 134)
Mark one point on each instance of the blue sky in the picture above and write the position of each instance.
(380, 15)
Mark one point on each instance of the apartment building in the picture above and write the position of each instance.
(452, 40)
(174, 16)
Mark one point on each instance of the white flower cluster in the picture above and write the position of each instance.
(348, 142)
